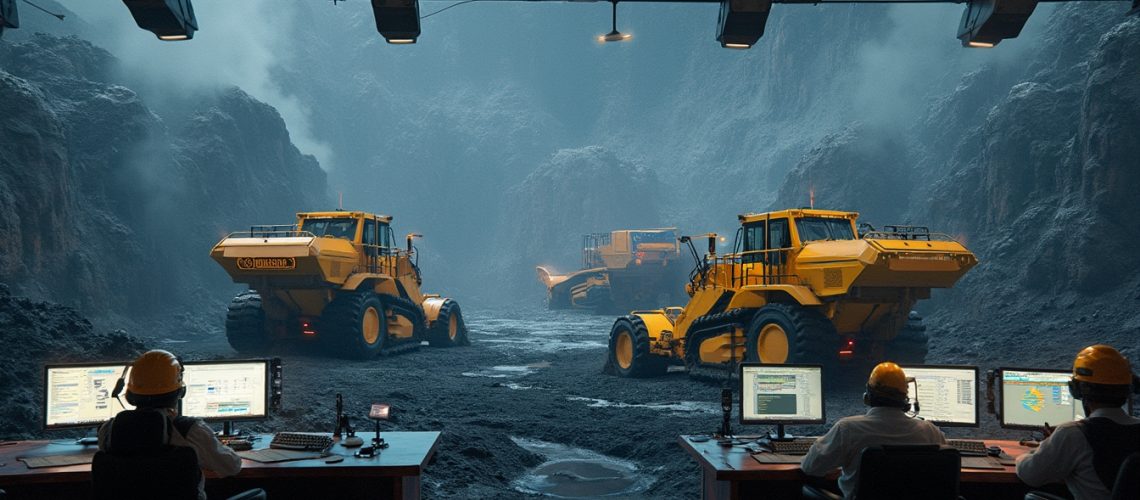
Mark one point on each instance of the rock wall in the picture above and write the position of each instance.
(109, 207)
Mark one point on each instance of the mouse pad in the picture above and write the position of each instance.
(980, 463)
(776, 458)
(272, 455)
(57, 460)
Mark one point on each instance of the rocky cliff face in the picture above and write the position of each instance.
(107, 208)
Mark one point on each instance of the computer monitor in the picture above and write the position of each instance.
(79, 395)
(947, 395)
(224, 391)
(781, 394)
(1032, 397)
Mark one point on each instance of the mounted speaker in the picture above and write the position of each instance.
(169, 20)
(741, 22)
(985, 23)
(398, 21)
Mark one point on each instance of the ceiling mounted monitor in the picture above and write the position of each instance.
(170, 20)
(741, 22)
(398, 21)
(9, 17)
(985, 23)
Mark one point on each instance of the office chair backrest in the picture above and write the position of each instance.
(911, 471)
(1128, 479)
(139, 462)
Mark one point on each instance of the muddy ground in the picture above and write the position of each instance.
(526, 408)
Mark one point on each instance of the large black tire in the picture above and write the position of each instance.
(811, 338)
(343, 325)
(911, 344)
(246, 328)
(448, 329)
(630, 335)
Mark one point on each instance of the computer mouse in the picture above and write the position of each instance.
(352, 442)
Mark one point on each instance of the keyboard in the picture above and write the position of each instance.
(301, 441)
(796, 447)
(968, 448)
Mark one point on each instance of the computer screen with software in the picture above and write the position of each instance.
(947, 395)
(226, 390)
(1030, 398)
(781, 394)
(79, 395)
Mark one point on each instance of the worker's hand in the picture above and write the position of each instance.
(1046, 431)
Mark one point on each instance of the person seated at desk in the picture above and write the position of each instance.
(1086, 454)
(884, 424)
(156, 384)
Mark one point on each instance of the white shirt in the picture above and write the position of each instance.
(842, 445)
(212, 454)
(1067, 456)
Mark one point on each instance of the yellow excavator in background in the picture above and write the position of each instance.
(800, 286)
(621, 271)
(336, 278)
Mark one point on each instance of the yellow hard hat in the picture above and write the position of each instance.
(1101, 364)
(888, 375)
(155, 372)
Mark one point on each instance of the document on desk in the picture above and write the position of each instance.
(980, 463)
(272, 455)
(776, 458)
(57, 460)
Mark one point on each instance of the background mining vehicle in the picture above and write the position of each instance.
(800, 286)
(336, 278)
(621, 270)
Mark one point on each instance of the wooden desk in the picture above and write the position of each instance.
(731, 472)
(393, 474)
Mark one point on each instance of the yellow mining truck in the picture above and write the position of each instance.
(335, 278)
(621, 270)
(799, 286)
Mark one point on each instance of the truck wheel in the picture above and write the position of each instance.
(356, 325)
(787, 333)
(245, 324)
(448, 330)
(911, 344)
(629, 350)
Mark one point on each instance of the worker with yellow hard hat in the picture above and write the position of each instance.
(155, 385)
(885, 423)
(1086, 454)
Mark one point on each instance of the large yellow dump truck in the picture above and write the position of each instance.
(621, 270)
(335, 278)
(799, 286)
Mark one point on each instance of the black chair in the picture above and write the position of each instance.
(139, 462)
(902, 472)
(1126, 487)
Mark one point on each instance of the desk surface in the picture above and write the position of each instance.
(406, 455)
(735, 463)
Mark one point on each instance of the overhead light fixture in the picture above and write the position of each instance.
(614, 35)
(398, 21)
(170, 20)
(741, 22)
(985, 23)
(9, 16)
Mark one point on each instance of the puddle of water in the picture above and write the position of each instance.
(508, 371)
(570, 472)
(681, 407)
(541, 330)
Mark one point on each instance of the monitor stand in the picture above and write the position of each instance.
(228, 430)
(780, 435)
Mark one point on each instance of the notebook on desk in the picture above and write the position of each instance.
(57, 460)
(981, 463)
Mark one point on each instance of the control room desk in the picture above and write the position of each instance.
(731, 473)
(394, 474)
